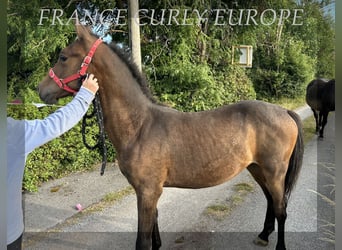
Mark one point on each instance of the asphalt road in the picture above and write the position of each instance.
(184, 220)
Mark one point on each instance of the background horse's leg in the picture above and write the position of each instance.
(262, 238)
(147, 209)
(320, 120)
(156, 241)
(324, 122)
(316, 119)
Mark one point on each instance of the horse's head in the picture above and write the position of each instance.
(65, 77)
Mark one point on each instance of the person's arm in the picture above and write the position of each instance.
(39, 132)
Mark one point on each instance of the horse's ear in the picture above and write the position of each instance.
(82, 31)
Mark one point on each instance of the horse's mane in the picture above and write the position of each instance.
(141, 78)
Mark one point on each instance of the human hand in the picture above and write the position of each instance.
(91, 83)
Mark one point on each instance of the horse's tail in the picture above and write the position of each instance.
(296, 159)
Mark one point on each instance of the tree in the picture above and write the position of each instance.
(318, 33)
(134, 32)
(285, 64)
(189, 65)
(30, 47)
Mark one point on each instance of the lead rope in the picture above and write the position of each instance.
(101, 137)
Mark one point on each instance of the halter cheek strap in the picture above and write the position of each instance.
(62, 83)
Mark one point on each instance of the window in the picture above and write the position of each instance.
(242, 55)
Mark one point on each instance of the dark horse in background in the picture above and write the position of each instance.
(158, 146)
(320, 96)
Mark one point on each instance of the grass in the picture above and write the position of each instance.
(218, 211)
(117, 196)
(291, 103)
(221, 210)
(244, 187)
(309, 128)
(108, 200)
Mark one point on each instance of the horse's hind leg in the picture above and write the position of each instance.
(276, 189)
(316, 120)
(280, 205)
(320, 120)
(272, 184)
(324, 121)
(269, 222)
(262, 238)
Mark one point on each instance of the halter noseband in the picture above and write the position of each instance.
(62, 83)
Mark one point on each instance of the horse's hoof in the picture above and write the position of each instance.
(280, 248)
(260, 242)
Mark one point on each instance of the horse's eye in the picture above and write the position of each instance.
(63, 58)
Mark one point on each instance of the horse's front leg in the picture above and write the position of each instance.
(147, 219)
(156, 241)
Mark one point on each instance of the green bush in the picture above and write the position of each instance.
(190, 78)
(283, 71)
(196, 87)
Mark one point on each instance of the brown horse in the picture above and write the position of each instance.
(158, 146)
(320, 96)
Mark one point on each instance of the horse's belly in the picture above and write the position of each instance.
(201, 177)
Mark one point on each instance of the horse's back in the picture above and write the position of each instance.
(250, 113)
(320, 94)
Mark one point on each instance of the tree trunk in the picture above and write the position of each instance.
(134, 32)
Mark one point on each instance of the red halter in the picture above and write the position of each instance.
(62, 83)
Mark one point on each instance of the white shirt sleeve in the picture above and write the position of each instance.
(39, 132)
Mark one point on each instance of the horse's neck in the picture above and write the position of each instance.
(125, 107)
